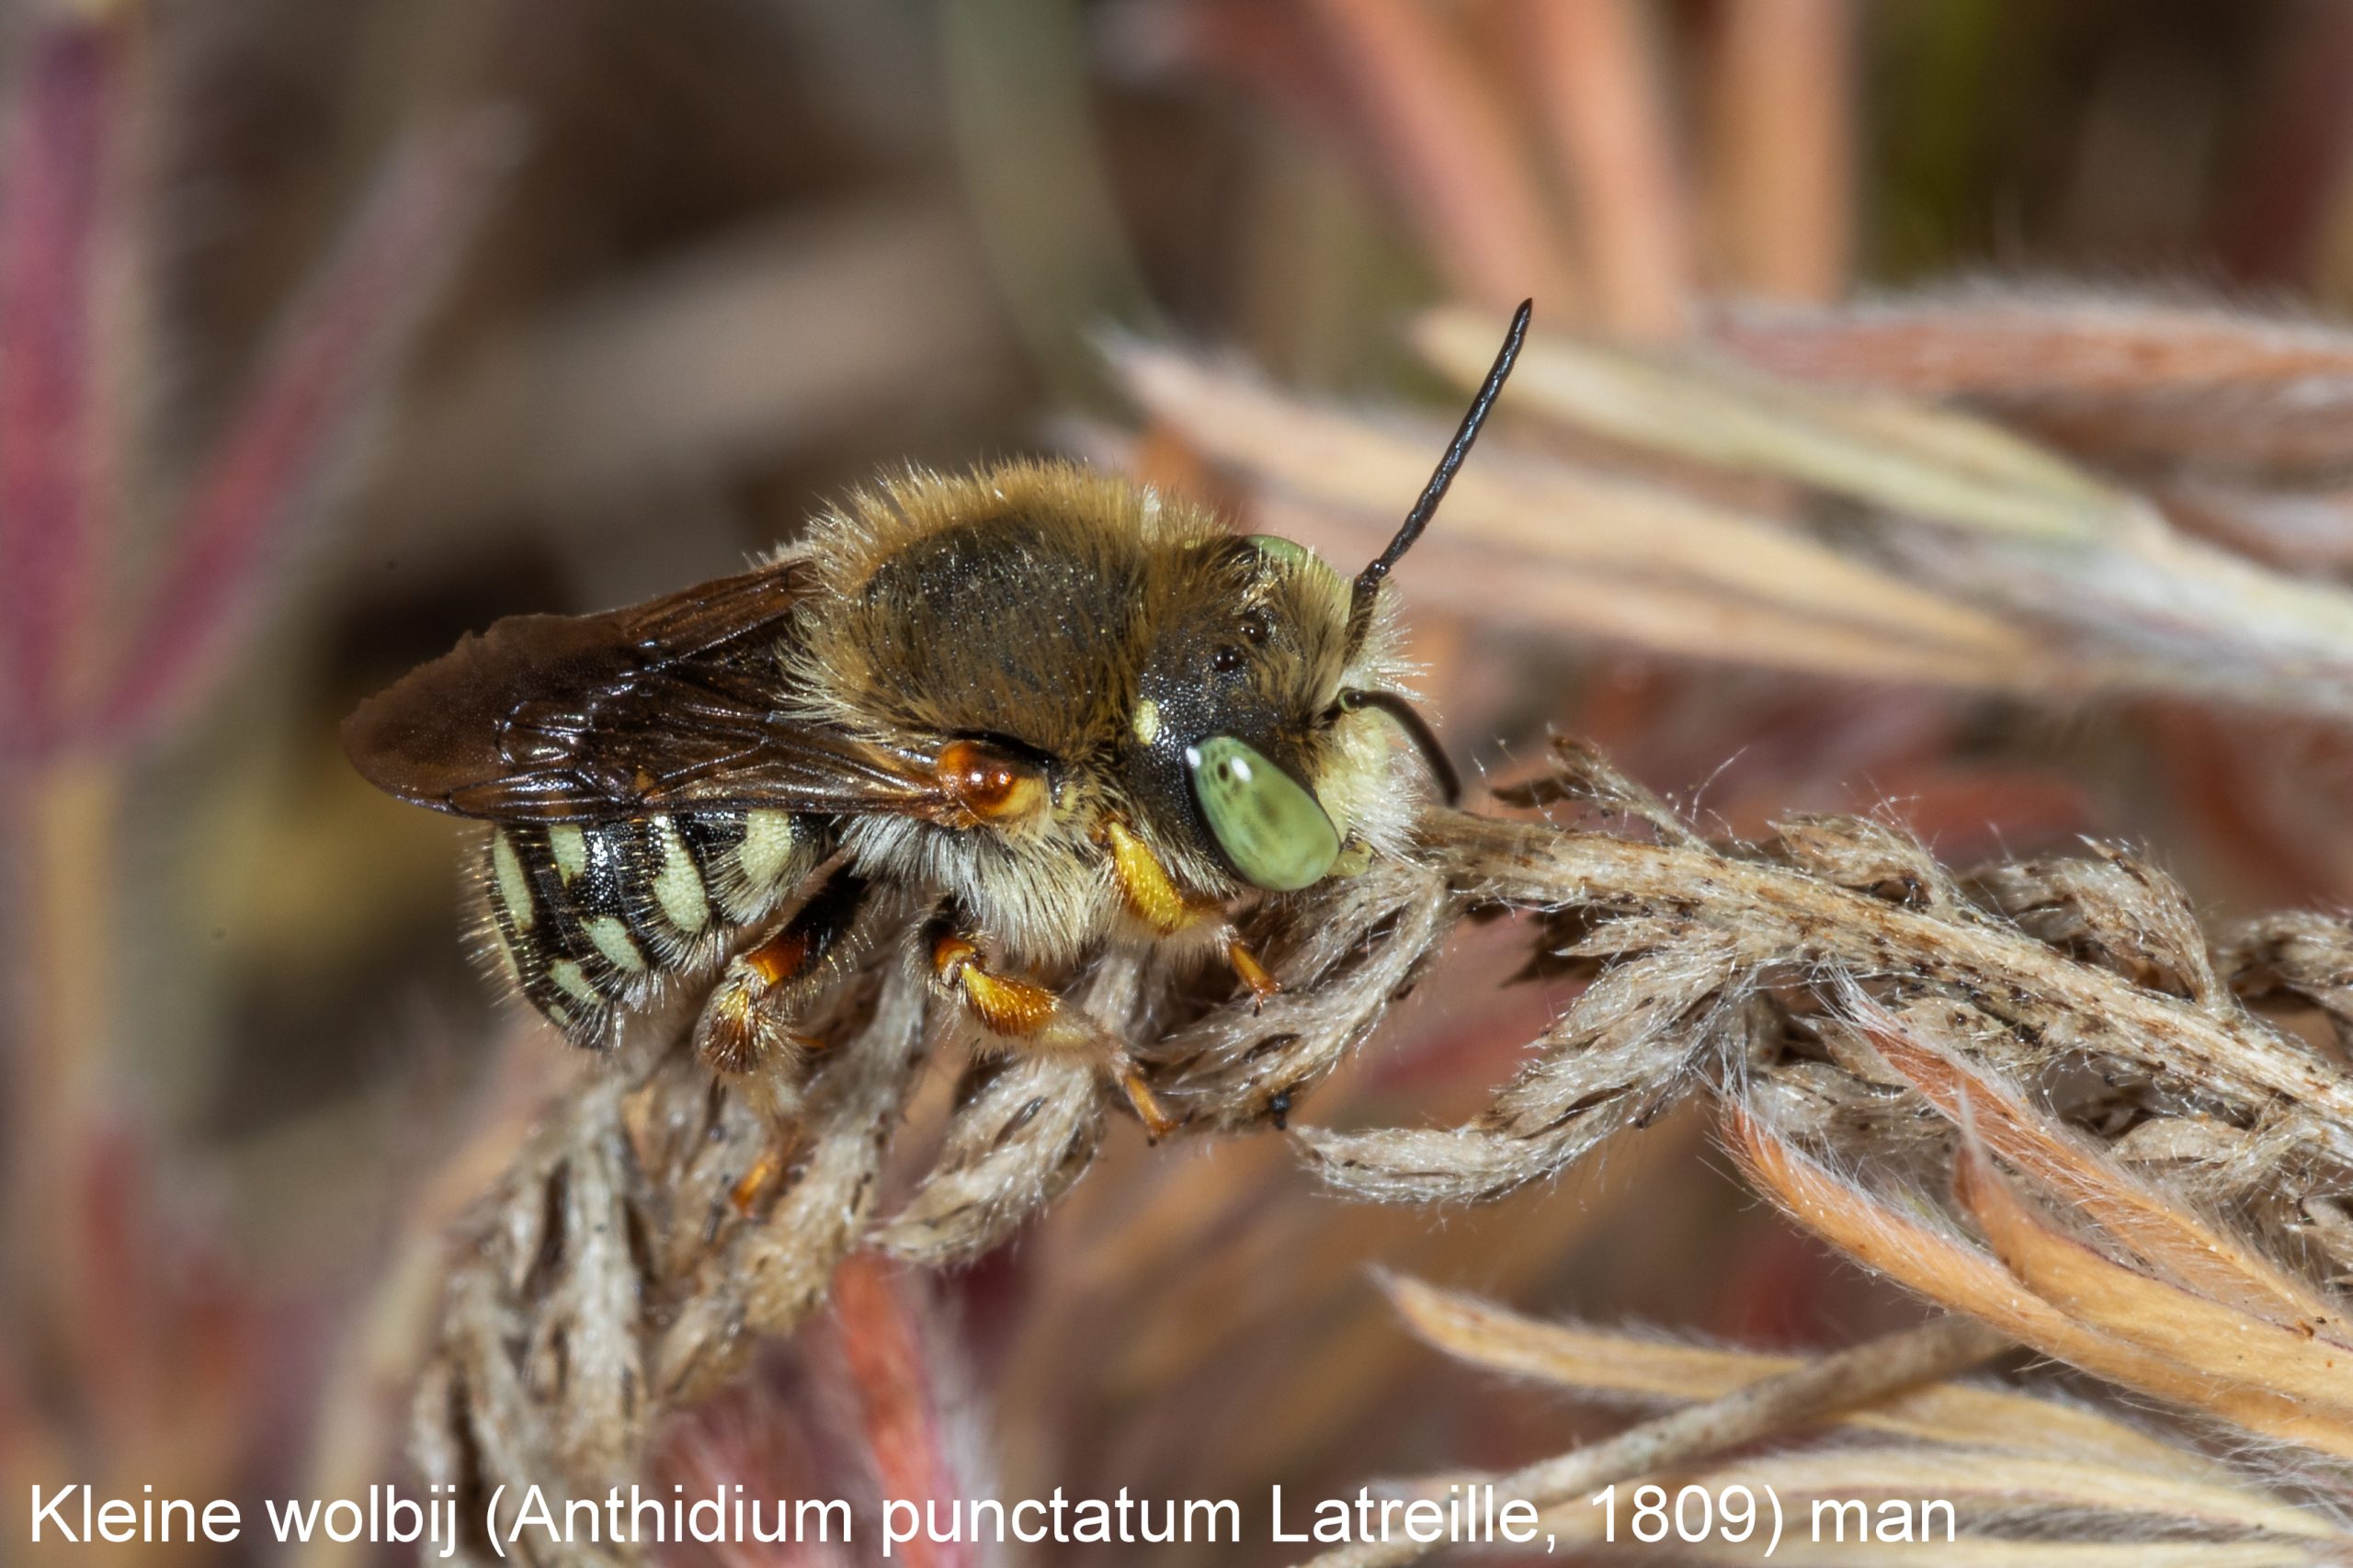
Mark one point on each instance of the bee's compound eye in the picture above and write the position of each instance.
(1292, 556)
(1289, 553)
(1271, 828)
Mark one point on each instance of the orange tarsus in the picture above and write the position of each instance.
(746, 1194)
(729, 1032)
(1008, 1007)
(1158, 1122)
(1020, 1008)
(1254, 975)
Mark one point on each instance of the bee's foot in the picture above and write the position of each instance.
(1018, 1008)
(745, 1196)
(1252, 973)
(1158, 1122)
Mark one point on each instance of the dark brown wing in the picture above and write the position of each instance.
(670, 705)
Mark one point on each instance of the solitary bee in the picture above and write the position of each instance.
(1065, 712)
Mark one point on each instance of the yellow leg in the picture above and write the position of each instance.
(1014, 1007)
(1252, 973)
(1022, 1010)
(742, 1027)
(746, 1023)
(747, 1193)
(1154, 897)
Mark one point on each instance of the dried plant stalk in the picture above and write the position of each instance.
(2001, 1491)
(1941, 1265)
(1762, 1409)
(1598, 1361)
(1876, 1031)
(1710, 924)
(1542, 542)
(1906, 458)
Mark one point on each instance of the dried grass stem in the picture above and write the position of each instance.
(1869, 1371)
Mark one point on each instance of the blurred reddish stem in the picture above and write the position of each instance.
(319, 382)
(2292, 169)
(59, 135)
(888, 1347)
(1449, 149)
(133, 1348)
(1601, 92)
(1782, 147)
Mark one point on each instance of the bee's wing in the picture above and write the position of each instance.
(670, 705)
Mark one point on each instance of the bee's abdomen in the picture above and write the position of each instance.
(585, 917)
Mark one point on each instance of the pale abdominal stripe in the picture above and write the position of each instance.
(584, 916)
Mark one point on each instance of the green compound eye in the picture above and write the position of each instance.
(1275, 832)
(1297, 557)
(1291, 552)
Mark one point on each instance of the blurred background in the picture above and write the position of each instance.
(329, 331)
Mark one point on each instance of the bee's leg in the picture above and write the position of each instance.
(746, 1023)
(1154, 897)
(745, 1030)
(1253, 973)
(1035, 1018)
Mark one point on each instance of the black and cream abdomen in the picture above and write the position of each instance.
(583, 917)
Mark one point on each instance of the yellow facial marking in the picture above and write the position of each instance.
(569, 978)
(1145, 883)
(570, 846)
(677, 886)
(613, 940)
(767, 851)
(514, 885)
(1147, 722)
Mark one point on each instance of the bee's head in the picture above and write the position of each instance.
(1251, 679)
(1229, 735)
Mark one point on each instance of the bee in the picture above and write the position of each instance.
(1052, 712)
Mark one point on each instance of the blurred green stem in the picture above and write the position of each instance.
(1016, 73)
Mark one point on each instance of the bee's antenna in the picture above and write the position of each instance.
(1367, 583)
(1417, 730)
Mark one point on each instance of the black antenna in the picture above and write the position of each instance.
(1417, 729)
(1369, 580)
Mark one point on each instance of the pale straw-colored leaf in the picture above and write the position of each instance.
(1894, 454)
(1978, 1485)
(2201, 1336)
(1680, 1438)
(1530, 538)
(2021, 528)
(2016, 341)
(2182, 1245)
(1940, 1266)
(1598, 1360)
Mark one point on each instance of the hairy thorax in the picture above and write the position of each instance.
(1079, 623)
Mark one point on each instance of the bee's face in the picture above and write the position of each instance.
(1235, 696)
